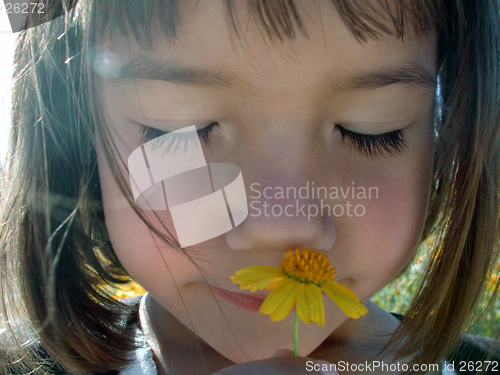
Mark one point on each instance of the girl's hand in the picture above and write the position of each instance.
(282, 362)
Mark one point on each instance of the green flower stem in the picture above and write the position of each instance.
(296, 335)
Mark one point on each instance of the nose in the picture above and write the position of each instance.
(281, 218)
(282, 162)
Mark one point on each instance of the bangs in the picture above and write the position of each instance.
(279, 19)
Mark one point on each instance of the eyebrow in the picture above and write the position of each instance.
(149, 69)
(413, 75)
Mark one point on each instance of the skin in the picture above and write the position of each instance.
(278, 125)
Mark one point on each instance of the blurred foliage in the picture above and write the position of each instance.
(397, 296)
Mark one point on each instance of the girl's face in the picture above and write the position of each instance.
(289, 114)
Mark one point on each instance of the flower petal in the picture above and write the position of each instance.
(344, 298)
(310, 306)
(258, 270)
(268, 284)
(281, 301)
(256, 277)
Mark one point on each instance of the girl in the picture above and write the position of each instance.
(399, 98)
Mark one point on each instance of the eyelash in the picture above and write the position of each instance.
(369, 144)
(149, 133)
(375, 144)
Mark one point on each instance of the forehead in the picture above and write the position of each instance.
(204, 38)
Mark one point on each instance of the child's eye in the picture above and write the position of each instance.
(375, 144)
(148, 133)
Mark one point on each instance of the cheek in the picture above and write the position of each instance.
(382, 241)
(147, 258)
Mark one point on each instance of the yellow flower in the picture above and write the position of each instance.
(300, 281)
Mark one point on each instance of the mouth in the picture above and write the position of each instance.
(244, 301)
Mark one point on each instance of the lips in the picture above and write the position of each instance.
(244, 301)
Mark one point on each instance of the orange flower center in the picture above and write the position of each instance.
(308, 266)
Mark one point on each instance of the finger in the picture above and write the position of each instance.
(280, 366)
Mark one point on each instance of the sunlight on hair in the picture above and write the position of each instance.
(7, 46)
(131, 289)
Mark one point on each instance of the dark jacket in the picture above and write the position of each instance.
(467, 358)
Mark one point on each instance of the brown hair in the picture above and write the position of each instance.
(55, 254)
